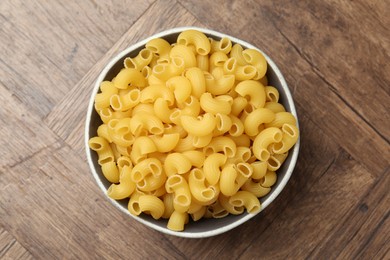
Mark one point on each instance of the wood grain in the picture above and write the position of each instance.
(334, 55)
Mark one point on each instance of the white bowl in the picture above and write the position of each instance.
(205, 227)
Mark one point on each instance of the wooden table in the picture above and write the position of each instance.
(335, 57)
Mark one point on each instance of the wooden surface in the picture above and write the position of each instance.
(335, 57)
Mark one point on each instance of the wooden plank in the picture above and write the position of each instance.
(47, 47)
(22, 133)
(317, 157)
(345, 37)
(63, 213)
(68, 117)
(314, 94)
(10, 248)
(367, 225)
(313, 213)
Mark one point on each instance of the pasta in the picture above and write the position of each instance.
(191, 129)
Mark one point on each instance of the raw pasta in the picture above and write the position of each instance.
(192, 130)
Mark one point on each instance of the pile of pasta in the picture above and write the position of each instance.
(192, 129)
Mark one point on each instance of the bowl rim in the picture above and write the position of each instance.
(273, 195)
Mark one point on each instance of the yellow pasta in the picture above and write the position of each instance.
(191, 128)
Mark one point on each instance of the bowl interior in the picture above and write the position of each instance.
(204, 227)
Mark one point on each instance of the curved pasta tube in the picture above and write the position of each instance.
(151, 93)
(168, 205)
(102, 148)
(224, 45)
(144, 168)
(165, 143)
(130, 77)
(237, 128)
(146, 121)
(236, 52)
(220, 104)
(275, 161)
(290, 137)
(259, 169)
(181, 88)
(143, 58)
(263, 140)
(227, 182)
(243, 154)
(224, 124)
(282, 118)
(217, 59)
(235, 210)
(255, 188)
(178, 185)
(242, 140)
(202, 141)
(200, 126)
(102, 131)
(159, 46)
(256, 59)
(269, 179)
(203, 62)
(196, 77)
(185, 53)
(198, 188)
(190, 107)
(176, 163)
(196, 157)
(111, 172)
(254, 90)
(152, 183)
(255, 120)
(123, 161)
(241, 73)
(218, 86)
(142, 146)
(146, 71)
(197, 215)
(162, 110)
(212, 167)
(166, 71)
(106, 114)
(125, 187)
(196, 38)
(152, 205)
(102, 99)
(221, 144)
(177, 221)
(133, 205)
(185, 144)
(246, 199)
(125, 101)
(123, 137)
(272, 94)
(216, 210)
(275, 107)
(142, 108)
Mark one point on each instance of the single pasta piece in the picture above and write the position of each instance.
(152, 205)
(246, 199)
(125, 187)
(253, 122)
(212, 167)
(254, 90)
(159, 46)
(178, 185)
(129, 77)
(196, 77)
(176, 163)
(111, 172)
(143, 58)
(256, 59)
(181, 88)
(153, 92)
(196, 38)
(221, 144)
(177, 221)
(224, 45)
(263, 140)
(200, 126)
(290, 137)
(235, 210)
(220, 104)
(202, 193)
(236, 52)
(146, 167)
(185, 53)
(102, 148)
(280, 119)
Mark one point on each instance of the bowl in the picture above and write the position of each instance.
(204, 227)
